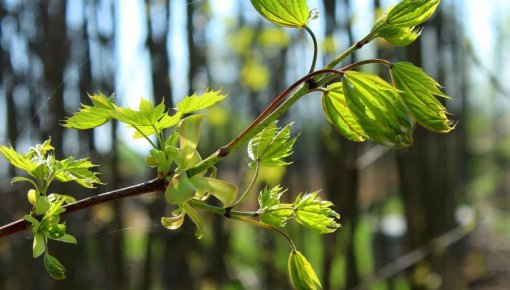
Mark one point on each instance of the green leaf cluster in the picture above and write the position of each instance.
(182, 189)
(40, 163)
(147, 120)
(364, 106)
(271, 146)
(308, 210)
(48, 226)
(398, 24)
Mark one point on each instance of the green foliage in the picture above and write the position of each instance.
(270, 146)
(410, 13)
(398, 24)
(338, 114)
(272, 211)
(40, 163)
(418, 91)
(361, 107)
(378, 109)
(54, 267)
(89, 117)
(196, 103)
(301, 272)
(308, 209)
(315, 214)
(287, 13)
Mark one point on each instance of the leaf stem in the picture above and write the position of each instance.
(146, 137)
(268, 227)
(315, 48)
(368, 61)
(255, 176)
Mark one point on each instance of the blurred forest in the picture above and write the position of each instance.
(433, 216)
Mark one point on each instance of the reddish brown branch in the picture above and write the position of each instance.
(146, 187)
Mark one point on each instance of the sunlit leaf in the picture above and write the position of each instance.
(42, 205)
(40, 150)
(65, 198)
(270, 146)
(66, 238)
(89, 117)
(418, 90)
(301, 272)
(409, 13)
(38, 245)
(189, 134)
(222, 190)
(18, 160)
(55, 269)
(287, 13)
(173, 222)
(378, 108)
(180, 189)
(271, 210)
(77, 170)
(400, 36)
(338, 114)
(196, 218)
(195, 103)
(316, 214)
(23, 179)
(148, 120)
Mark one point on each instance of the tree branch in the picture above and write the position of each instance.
(146, 187)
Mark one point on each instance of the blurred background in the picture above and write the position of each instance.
(433, 216)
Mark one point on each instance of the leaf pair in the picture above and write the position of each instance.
(364, 106)
(308, 209)
(398, 24)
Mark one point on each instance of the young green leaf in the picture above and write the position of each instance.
(378, 109)
(180, 189)
(39, 245)
(78, 171)
(66, 238)
(41, 205)
(316, 214)
(271, 210)
(189, 134)
(399, 36)
(148, 120)
(173, 222)
(222, 190)
(338, 114)
(195, 103)
(196, 218)
(270, 146)
(418, 90)
(287, 13)
(302, 275)
(55, 269)
(18, 160)
(89, 117)
(409, 13)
